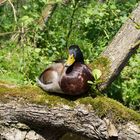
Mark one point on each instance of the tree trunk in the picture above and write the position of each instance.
(29, 113)
(124, 44)
(47, 13)
(53, 122)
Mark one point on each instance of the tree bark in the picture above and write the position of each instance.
(47, 12)
(21, 118)
(122, 47)
(52, 123)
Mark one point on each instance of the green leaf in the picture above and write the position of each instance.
(25, 7)
(90, 82)
(27, 20)
(87, 20)
(96, 74)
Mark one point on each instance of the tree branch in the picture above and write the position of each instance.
(2, 2)
(14, 10)
(47, 12)
(122, 47)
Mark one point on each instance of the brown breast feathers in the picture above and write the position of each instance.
(74, 80)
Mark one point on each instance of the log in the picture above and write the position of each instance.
(29, 109)
(30, 113)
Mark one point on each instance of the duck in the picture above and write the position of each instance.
(68, 77)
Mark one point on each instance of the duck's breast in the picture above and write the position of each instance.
(74, 81)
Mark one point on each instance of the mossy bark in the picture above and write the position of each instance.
(98, 118)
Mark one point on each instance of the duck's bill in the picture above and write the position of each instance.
(70, 60)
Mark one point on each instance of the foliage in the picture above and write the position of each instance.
(26, 49)
(97, 75)
(126, 88)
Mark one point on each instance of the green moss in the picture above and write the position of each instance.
(32, 94)
(103, 106)
(106, 107)
(101, 63)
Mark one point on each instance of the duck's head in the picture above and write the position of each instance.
(75, 55)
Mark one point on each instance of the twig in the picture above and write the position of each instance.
(2, 2)
(7, 33)
(14, 10)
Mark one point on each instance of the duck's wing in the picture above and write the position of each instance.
(74, 80)
(50, 87)
(52, 73)
(49, 78)
(88, 72)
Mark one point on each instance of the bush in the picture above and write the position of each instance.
(89, 24)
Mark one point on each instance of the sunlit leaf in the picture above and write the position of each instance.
(90, 82)
(96, 74)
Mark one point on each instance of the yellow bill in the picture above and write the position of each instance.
(70, 60)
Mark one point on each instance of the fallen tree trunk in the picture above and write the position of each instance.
(81, 119)
(24, 109)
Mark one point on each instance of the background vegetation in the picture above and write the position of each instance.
(26, 49)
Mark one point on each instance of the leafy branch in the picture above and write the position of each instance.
(96, 74)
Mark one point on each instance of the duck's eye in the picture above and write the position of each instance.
(71, 57)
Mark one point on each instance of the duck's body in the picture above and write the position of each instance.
(74, 80)
(67, 78)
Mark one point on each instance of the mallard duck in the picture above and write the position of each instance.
(67, 78)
